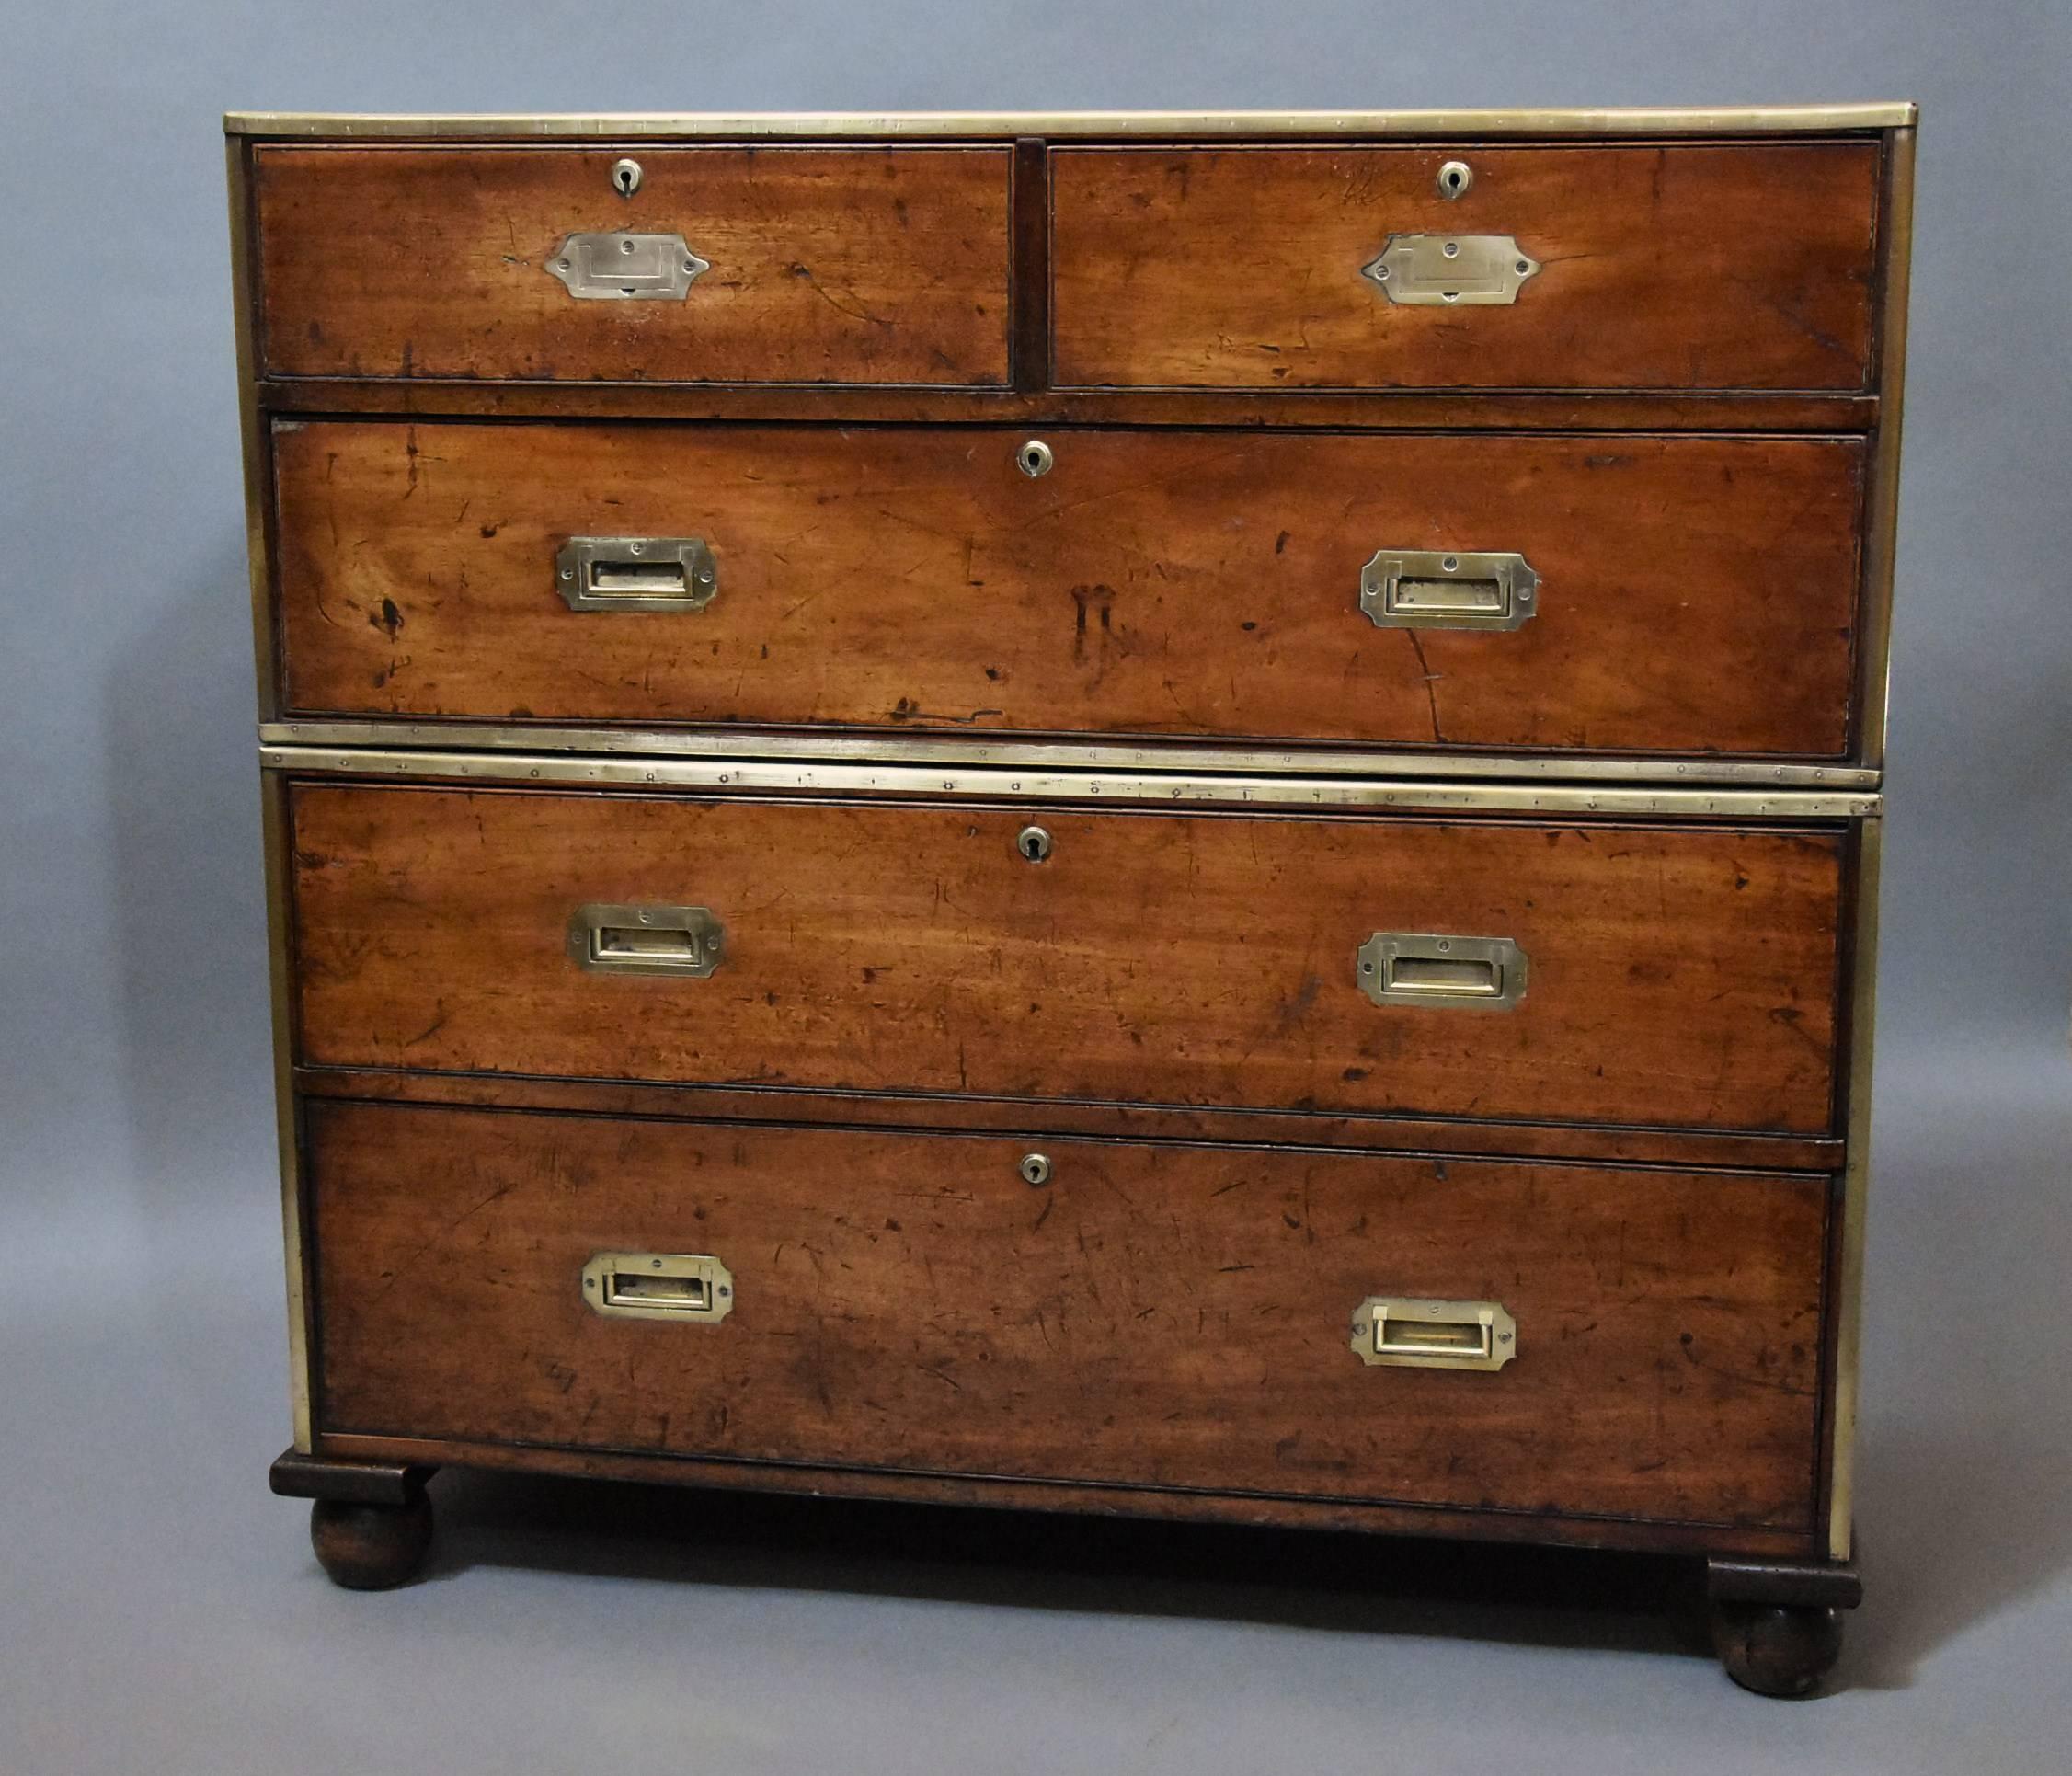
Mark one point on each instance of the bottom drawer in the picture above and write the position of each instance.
(1133, 1313)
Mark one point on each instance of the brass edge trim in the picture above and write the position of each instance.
(252, 427)
(273, 810)
(1848, 1305)
(274, 837)
(1256, 761)
(1049, 785)
(1616, 120)
(1881, 507)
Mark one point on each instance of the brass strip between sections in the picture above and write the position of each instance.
(1025, 755)
(1752, 119)
(878, 778)
(1856, 1179)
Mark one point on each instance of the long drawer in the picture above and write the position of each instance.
(861, 264)
(1602, 973)
(1185, 1316)
(1684, 594)
(1673, 265)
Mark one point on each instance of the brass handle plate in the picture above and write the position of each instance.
(1404, 967)
(686, 1287)
(1445, 589)
(607, 938)
(1405, 1332)
(622, 268)
(635, 573)
(1471, 271)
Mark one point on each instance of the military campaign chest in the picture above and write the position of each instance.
(1148, 814)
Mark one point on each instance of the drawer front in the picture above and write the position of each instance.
(822, 265)
(1149, 583)
(1677, 266)
(1144, 1315)
(1671, 975)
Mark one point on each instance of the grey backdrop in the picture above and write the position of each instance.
(158, 1610)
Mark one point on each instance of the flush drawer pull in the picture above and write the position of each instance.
(1468, 270)
(1411, 1332)
(635, 573)
(694, 1287)
(624, 267)
(1442, 589)
(611, 939)
(1402, 968)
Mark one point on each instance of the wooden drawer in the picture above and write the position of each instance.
(858, 264)
(1151, 583)
(1148, 1315)
(1743, 266)
(1673, 976)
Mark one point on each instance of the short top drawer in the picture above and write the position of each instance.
(1744, 266)
(858, 265)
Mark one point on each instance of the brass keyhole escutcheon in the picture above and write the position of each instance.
(1455, 177)
(1035, 1169)
(625, 178)
(1032, 842)
(1034, 458)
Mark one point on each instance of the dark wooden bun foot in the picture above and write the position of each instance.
(1777, 1649)
(370, 1547)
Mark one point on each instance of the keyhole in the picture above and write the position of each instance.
(1033, 843)
(1455, 177)
(1034, 458)
(625, 178)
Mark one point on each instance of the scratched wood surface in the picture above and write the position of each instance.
(1675, 266)
(860, 264)
(1697, 594)
(1155, 1315)
(1689, 1148)
(1240, 409)
(1679, 976)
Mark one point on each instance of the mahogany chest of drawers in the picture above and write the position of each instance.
(1146, 813)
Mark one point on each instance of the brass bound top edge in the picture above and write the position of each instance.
(1753, 119)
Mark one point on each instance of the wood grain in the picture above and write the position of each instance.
(1697, 594)
(1159, 1315)
(1675, 266)
(966, 1112)
(1239, 409)
(1680, 975)
(858, 264)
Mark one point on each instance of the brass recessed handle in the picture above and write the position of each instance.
(608, 938)
(1434, 968)
(1448, 589)
(1407, 1332)
(635, 573)
(683, 1286)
